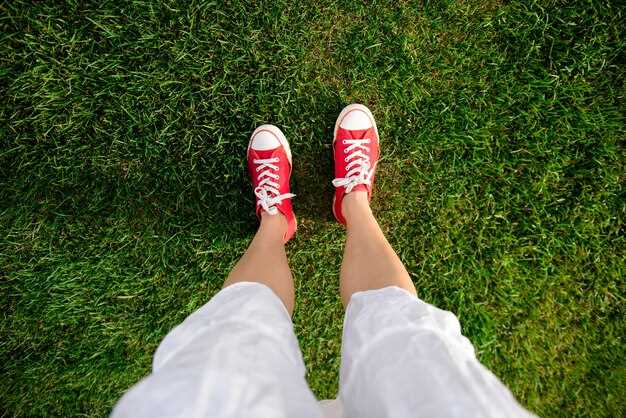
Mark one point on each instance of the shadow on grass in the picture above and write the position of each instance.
(314, 171)
(151, 200)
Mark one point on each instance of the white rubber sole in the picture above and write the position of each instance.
(278, 134)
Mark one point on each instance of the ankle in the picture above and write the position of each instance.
(274, 224)
(354, 204)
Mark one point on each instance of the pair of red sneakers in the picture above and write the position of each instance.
(356, 151)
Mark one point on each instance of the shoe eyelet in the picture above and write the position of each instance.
(345, 151)
(345, 160)
(343, 141)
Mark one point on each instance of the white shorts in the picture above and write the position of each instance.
(238, 356)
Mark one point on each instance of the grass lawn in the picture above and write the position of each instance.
(124, 199)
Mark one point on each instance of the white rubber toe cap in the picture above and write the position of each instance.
(356, 119)
(269, 137)
(264, 140)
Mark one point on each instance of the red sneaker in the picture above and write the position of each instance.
(269, 165)
(356, 151)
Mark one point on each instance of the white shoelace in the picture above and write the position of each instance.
(267, 189)
(359, 169)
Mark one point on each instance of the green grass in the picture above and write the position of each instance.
(124, 199)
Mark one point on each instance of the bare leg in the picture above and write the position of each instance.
(369, 262)
(265, 260)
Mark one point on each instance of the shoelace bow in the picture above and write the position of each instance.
(359, 169)
(267, 190)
